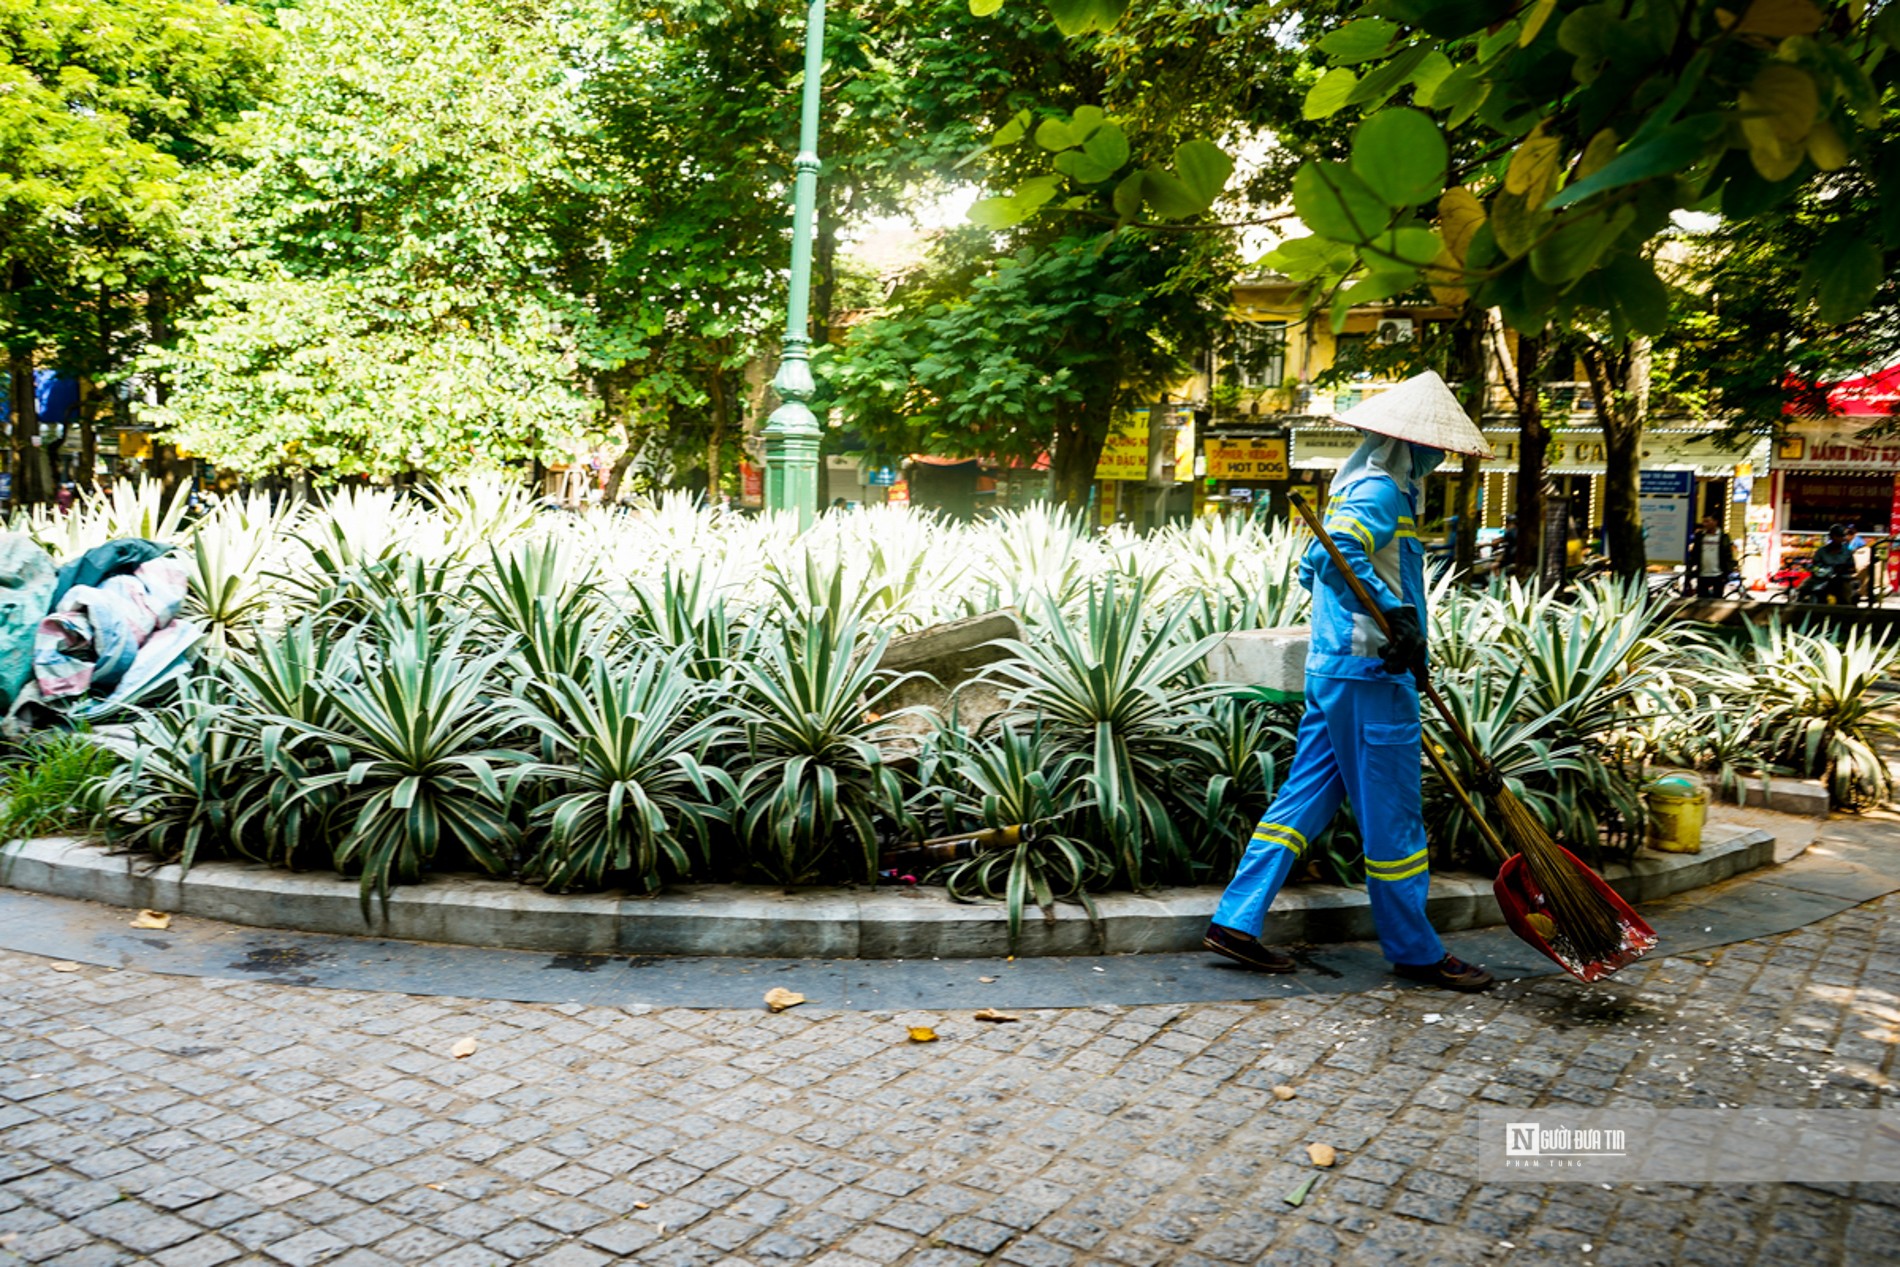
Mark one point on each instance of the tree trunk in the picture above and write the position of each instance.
(1079, 437)
(715, 442)
(1620, 382)
(824, 291)
(1467, 368)
(29, 485)
(88, 410)
(1533, 448)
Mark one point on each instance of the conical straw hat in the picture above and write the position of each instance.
(1423, 411)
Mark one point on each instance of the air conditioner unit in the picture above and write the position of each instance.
(1395, 330)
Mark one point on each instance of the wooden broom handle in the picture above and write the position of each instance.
(1439, 764)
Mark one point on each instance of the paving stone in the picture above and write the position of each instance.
(328, 1128)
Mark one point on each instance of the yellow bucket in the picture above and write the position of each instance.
(1678, 805)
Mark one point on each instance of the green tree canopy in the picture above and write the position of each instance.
(1037, 354)
(385, 290)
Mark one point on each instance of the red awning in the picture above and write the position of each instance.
(1869, 396)
(1010, 464)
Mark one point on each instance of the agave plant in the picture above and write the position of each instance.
(630, 783)
(1117, 692)
(1825, 707)
(1019, 780)
(814, 778)
(287, 683)
(532, 601)
(414, 769)
(176, 797)
(1582, 802)
(229, 562)
(1225, 784)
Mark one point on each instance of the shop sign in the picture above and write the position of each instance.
(1125, 455)
(1243, 458)
(1663, 498)
(882, 477)
(751, 482)
(135, 444)
(898, 494)
(1572, 450)
(1839, 451)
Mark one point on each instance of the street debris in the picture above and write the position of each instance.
(992, 1015)
(152, 919)
(63, 965)
(464, 1047)
(778, 998)
(922, 1034)
(1283, 1092)
(1321, 1154)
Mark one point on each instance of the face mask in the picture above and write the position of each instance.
(1425, 461)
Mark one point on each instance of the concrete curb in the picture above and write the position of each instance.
(760, 922)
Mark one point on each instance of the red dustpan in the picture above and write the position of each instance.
(1529, 916)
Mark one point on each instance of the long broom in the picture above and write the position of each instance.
(1585, 927)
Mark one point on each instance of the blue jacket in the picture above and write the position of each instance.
(1373, 522)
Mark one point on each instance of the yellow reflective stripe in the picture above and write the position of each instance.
(1402, 875)
(1399, 864)
(1345, 523)
(1276, 834)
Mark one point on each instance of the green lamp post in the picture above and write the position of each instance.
(792, 432)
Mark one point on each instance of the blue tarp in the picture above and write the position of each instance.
(54, 395)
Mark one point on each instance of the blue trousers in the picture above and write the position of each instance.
(1359, 741)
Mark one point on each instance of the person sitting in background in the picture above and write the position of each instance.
(1833, 570)
(1711, 560)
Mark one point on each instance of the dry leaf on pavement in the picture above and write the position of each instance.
(464, 1048)
(986, 980)
(152, 919)
(1284, 1092)
(1000, 1018)
(63, 965)
(1321, 1154)
(778, 998)
(922, 1034)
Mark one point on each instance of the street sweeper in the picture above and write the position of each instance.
(1359, 737)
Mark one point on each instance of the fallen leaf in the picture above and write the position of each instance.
(1284, 1092)
(1432, 1018)
(152, 919)
(1321, 1154)
(1541, 925)
(435, 1186)
(778, 998)
(922, 1034)
(1000, 1018)
(63, 965)
(1298, 1195)
(464, 1048)
(986, 980)
(639, 1205)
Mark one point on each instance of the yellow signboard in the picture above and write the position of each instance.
(135, 444)
(1125, 455)
(1238, 458)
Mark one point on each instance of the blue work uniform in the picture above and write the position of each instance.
(1359, 738)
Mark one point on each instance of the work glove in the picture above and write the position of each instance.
(1404, 650)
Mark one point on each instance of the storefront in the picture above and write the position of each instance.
(1144, 475)
(1574, 464)
(1825, 474)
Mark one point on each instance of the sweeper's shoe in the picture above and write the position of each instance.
(1245, 951)
(1450, 972)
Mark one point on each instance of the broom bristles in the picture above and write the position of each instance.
(1587, 922)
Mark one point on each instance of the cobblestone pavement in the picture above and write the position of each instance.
(192, 1121)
